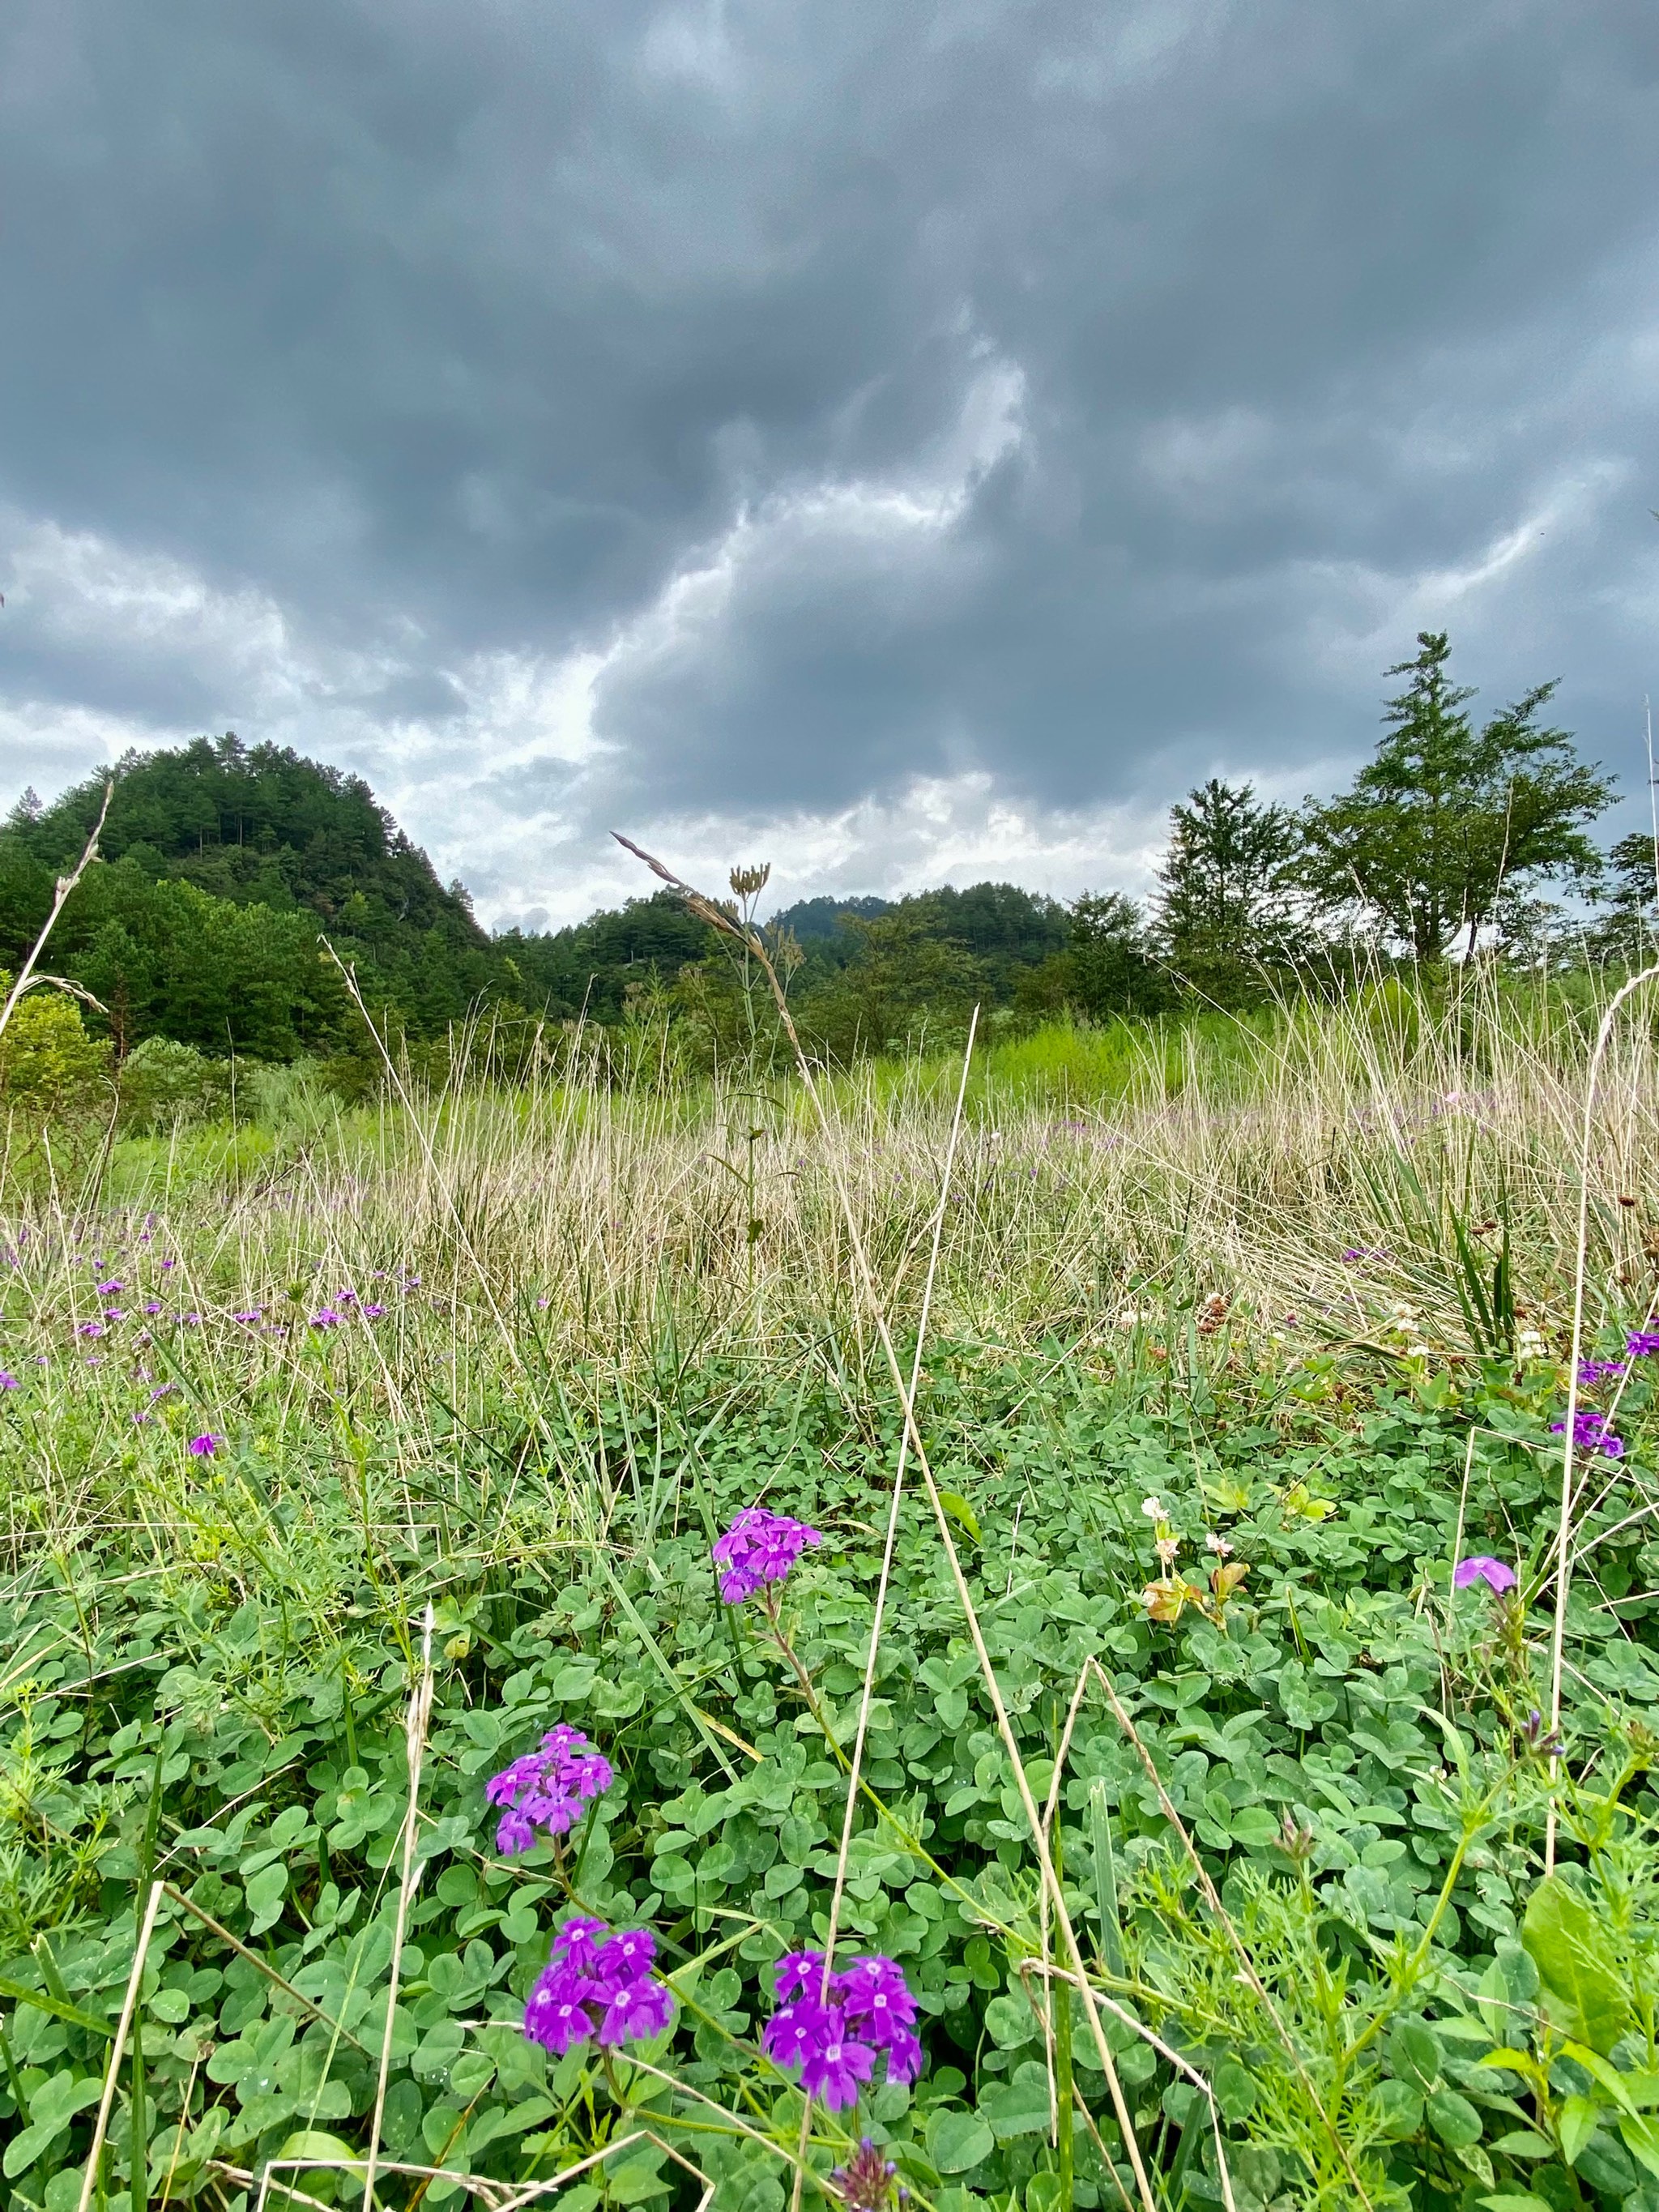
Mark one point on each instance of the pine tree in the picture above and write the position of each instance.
(1222, 910)
(1449, 828)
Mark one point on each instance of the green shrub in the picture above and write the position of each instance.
(168, 1086)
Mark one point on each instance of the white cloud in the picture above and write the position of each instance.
(953, 829)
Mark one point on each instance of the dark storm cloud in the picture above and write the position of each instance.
(1079, 398)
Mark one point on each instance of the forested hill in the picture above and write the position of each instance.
(255, 824)
(222, 863)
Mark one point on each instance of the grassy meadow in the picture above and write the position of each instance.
(1237, 1850)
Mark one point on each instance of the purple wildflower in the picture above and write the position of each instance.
(554, 2014)
(547, 1789)
(115, 1313)
(248, 1316)
(188, 1320)
(759, 1548)
(594, 1987)
(325, 1318)
(152, 1305)
(1497, 1574)
(204, 1447)
(90, 1329)
(1641, 1342)
(1590, 1432)
(1592, 1372)
(169, 1263)
(835, 2033)
(8, 1381)
(372, 1311)
(110, 1288)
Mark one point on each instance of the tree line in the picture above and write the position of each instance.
(224, 864)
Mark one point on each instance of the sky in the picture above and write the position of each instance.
(902, 442)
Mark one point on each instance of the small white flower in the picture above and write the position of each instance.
(1418, 1351)
(1218, 1545)
(1153, 1508)
(1166, 1548)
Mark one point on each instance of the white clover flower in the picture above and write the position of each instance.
(1153, 1508)
(1166, 1548)
(1218, 1545)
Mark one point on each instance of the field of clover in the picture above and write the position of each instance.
(481, 1823)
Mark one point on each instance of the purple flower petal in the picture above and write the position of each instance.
(1497, 1574)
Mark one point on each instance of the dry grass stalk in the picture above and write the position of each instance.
(27, 979)
(1565, 1513)
(123, 2027)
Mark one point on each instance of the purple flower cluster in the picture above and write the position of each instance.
(1641, 1343)
(547, 1789)
(1592, 1372)
(1482, 1567)
(1591, 1433)
(865, 2009)
(759, 1548)
(865, 2183)
(590, 1987)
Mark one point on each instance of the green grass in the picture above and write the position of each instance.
(586, 1366)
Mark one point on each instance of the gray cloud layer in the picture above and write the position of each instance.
(757, 419)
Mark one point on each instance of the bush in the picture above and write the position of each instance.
(49, 1069)
(168, 1086)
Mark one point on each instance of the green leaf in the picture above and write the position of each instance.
(1584, 1988)
(1504, 2201)
(1402, 2108)
(265, 1892)
(59, 2008)
(1453, 2118)
(1525, 2143)
(1234, 2091)
(1021, 2107)
(1254, 1828)
(318, 2143)
(958, 2141)
(637, 2177)
(1414, 2055)
(51, 2108)
(1475, 2161)
(1010, 2021)
(1641, 2140)
(1576, 2124)
(961, 1512)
